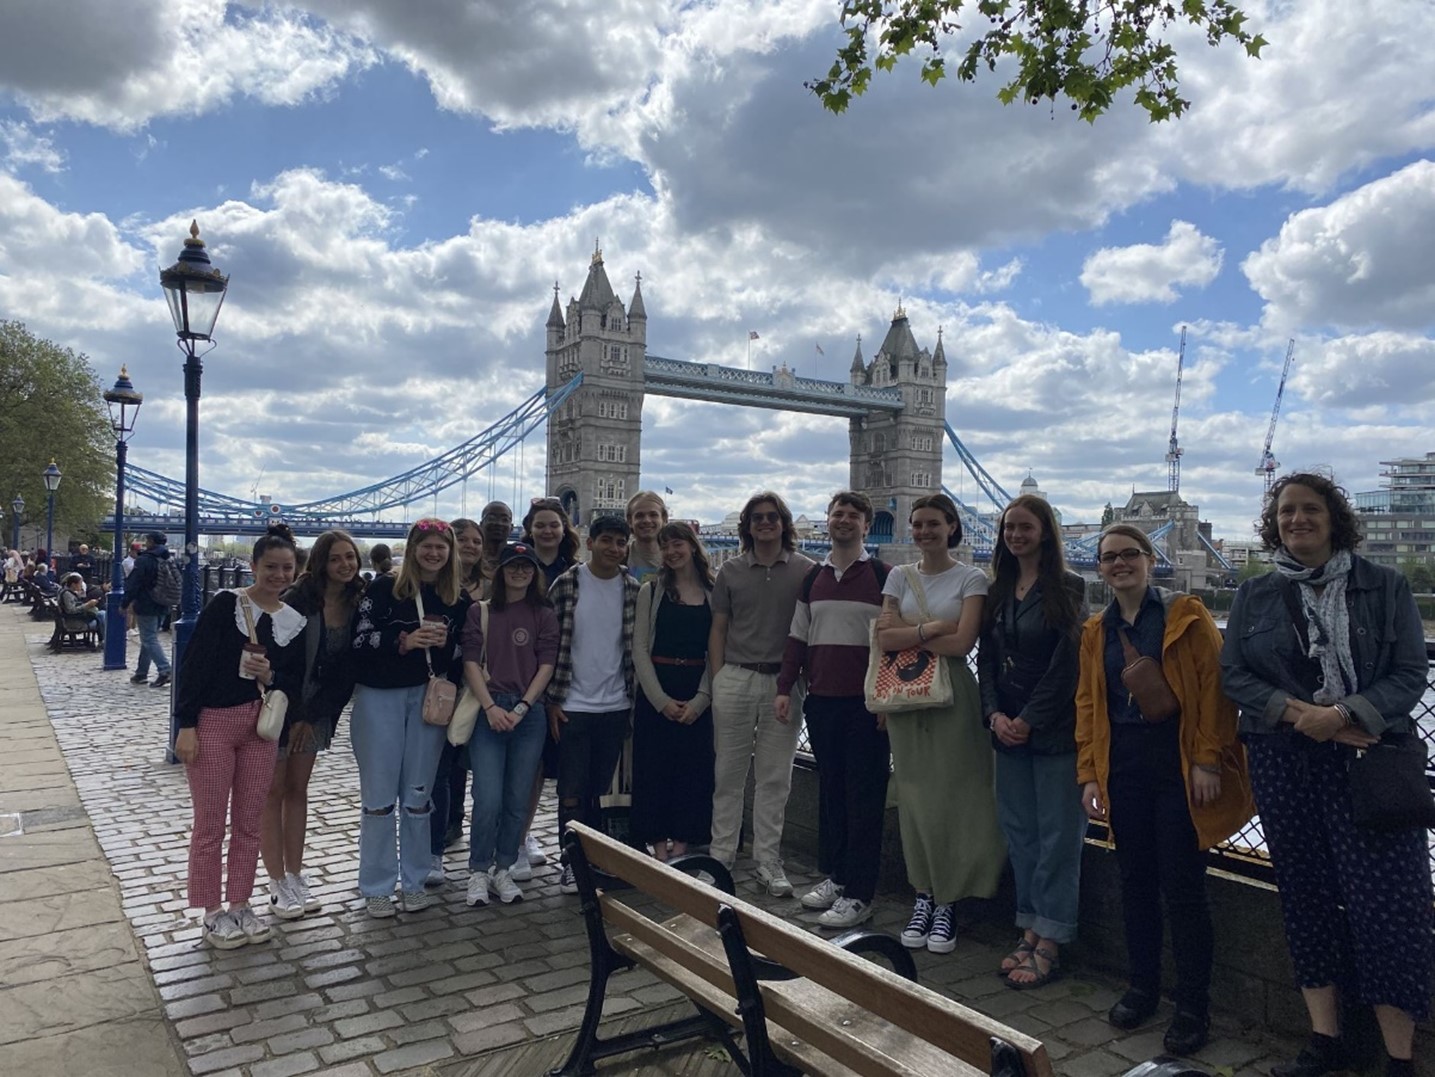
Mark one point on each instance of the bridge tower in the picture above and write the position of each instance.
(897, 456)
(593, 439)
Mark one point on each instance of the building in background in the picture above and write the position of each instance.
(1398, 520)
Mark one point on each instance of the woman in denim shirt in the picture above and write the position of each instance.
(1323, 656)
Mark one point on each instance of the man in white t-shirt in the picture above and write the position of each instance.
(591, 694)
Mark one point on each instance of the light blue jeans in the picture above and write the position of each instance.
(503, 765)
(151, 650)
(1039, 809)
(397, 755)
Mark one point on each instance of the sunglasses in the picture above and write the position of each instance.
(765, 517)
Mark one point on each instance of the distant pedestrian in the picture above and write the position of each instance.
(672, 719)
(591, 693)
(327, 595)
(753, 601)
(381, 558)
(216, 706)
(507, 668)
(941, 761)
(406, 630)
(143, 595)
(83, 563)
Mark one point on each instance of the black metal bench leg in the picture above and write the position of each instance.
(749, 1000)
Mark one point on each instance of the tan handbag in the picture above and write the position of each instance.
(466, 710)
(910, 679)
(1147, 684)
(276, 702)
(441, 696)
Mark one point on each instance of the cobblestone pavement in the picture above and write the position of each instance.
(341, 994)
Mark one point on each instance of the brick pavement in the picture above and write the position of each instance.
(342, 994)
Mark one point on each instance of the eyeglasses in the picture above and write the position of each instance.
(1110, 557)
(765, 517)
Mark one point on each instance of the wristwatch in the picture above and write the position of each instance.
(521, 708)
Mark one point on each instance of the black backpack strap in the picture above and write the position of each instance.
(883, 570)
(808, 581)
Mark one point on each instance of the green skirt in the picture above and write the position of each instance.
(942, 776)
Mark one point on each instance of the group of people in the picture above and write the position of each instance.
(710, 675)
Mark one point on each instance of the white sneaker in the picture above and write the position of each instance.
(536, 856)
(846, 912)
(299, 887)
(255, 929)
(943, 939)
(774, 878)
(822, 895)
(436, 877)
(477, 889)
(416, 901)
(380, 908)
(282, 901)
(223, 932)
(521, 870)
(919, 928)
(567, 884)
(507, 890)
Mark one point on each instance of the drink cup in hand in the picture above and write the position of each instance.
(435, 629)
(249, 649)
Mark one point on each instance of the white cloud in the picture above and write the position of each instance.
(1363, 260)
(120, 63)
(26, 149)
(1382, 369)
(393, 172)
(1150, 273)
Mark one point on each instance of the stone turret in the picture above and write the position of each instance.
(859, 365)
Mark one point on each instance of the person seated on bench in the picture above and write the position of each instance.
(44, 581)
(74, 606)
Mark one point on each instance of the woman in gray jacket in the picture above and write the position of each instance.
(1324, 656)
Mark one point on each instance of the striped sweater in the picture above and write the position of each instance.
(831, 629)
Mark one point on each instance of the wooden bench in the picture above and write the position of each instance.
(70, 631)
(803, 1004)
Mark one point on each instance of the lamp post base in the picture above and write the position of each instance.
(115, 631)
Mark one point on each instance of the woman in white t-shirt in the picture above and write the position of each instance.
(941, 759)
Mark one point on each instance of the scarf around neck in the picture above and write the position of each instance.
(1327, 620)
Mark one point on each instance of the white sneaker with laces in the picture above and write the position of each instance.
(567, 883)
(416, 901)
(521, 869)
(380, 908)
(822, 895)
(919, 928)
(536, 856)
(477, 889)
(507, 890)
(283, 903)
(223, 933)
(846, 912)
(299, 886)
(255, 929)
(436, 877)
(774, 878)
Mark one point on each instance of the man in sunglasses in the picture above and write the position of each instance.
(752, 605)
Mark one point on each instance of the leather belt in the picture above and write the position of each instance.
(772, 669)
(659, 660)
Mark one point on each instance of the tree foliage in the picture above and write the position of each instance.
(1086, 51)
(1255, 566)
(1419, 575)
(51, 407)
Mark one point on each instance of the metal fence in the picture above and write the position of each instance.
(1245, 853)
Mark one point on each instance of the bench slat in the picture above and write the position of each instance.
(951, 1027)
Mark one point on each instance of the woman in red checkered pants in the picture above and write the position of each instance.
(228, 764)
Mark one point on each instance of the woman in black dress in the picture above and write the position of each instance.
(672, 725)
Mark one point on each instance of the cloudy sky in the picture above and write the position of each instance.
(394, 187)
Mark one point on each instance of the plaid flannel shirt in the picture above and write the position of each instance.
(564, 596)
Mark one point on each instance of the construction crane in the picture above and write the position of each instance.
(1173, 447)
(1269, 465)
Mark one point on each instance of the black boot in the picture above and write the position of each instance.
(1135, 1008)
(1321, 1055)
(1188, 1032)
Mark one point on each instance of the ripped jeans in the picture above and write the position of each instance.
(397, 755)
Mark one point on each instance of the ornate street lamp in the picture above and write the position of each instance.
(124, 404)
(51, 475)
(195, 291)
(18, 508)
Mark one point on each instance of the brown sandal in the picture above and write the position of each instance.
(1017, 957)
(1053, 970)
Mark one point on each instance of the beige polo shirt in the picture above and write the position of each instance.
(758, 601)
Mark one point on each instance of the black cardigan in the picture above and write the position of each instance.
(210, 674)
(378, 622)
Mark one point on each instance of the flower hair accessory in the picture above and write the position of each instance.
(431, 525)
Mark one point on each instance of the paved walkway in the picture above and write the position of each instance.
(101, 970)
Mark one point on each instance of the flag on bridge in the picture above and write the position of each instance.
(668, 490)
(752, 335)
(819, 349)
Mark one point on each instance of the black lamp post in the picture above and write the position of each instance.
(124, 404)
(51, 475)
(17, 507)
(195, 291)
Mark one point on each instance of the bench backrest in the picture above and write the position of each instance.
(940, 1021)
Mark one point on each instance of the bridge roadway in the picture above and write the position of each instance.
(782, 389)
